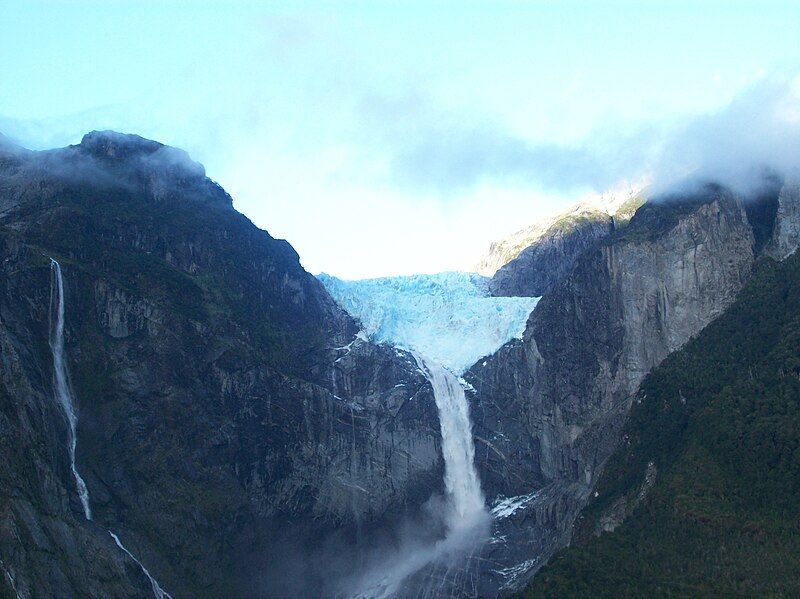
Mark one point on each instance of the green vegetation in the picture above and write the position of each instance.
(652, 218)
(720, 420)
(512, 247)
(121, 234)
(629, 207)
(572, 222)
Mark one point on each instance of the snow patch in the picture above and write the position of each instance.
(450, 318)
(507, 506)
(514, 573)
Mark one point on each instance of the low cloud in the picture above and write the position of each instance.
(433, 151)
(759, 130)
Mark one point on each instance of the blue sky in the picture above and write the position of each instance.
(387, 138)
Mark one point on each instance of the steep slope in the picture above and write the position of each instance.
(504, 251)
(701, 497)
(551, 255)
(533, 260)
(448, 320)
(549, 409)
(229, 420)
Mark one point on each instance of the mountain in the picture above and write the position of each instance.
(229, 419)
(551, 254)
(551, 232)
(242, 431)
(548, 410)
(700, 499)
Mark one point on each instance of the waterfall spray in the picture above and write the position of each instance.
(61, 384)
(466, 518)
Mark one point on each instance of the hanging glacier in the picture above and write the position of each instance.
(450, 318)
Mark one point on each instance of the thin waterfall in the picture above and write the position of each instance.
(61, 382)
(66, 400)
(158, 592)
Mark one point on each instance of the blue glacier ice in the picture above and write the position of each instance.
(449, 317)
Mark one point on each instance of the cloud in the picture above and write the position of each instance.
(758, 130)
(338, 151)
(426, 149)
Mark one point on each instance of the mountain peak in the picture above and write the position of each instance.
(112, 144)
(115, 146)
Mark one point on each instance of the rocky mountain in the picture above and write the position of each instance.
(700, 498)
(612, 206)
(227, 412)
(240, 435)
(551, 256)
(548, 411)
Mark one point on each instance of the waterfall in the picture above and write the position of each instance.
(66, 400)
(448, 321)
(158, 592)
(461, 481)
(466, 517)
(61, 382)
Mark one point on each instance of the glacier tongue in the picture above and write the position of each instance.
(448, 317)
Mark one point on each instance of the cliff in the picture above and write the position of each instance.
(548, 410)
(243, 438)
(229, 420)
(537, 268)
(700, 497)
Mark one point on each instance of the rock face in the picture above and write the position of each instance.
(539, 266)
(229, 417)
(244, 440)
(787, 223)
(504, 251)
(548, 410)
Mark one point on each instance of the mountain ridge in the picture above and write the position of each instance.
(239, 435)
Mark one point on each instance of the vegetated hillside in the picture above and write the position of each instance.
(703, 496)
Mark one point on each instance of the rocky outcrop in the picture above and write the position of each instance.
(548, 410)
(786, 237)
(231, 422)
(243, 439)
(552, 255)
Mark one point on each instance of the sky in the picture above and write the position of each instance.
(385, 138)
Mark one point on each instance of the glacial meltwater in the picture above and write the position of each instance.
(66, 399)
(61, 384)
(448, 322)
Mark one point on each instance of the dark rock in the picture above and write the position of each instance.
(227, 410)
(548, 411)
(551, 257)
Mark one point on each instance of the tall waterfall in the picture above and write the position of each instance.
(461, 481)
(448, 322)
(66, 400)
(466, 517)
(61, 382)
